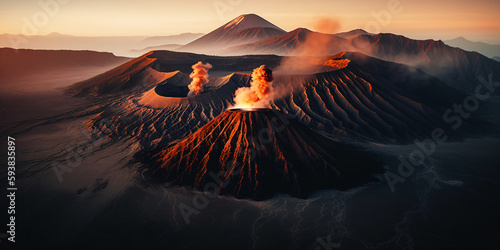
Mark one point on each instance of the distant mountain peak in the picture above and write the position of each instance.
(242, 29)
(486, 49)
(298, 30)
(353, 33)
(460, 38)
(235, 21)
(248, 21)
(360, 30)
(55, 34)
(301, 31)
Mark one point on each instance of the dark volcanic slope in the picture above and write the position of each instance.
(454, 66)
(369, 98)
(260, 153)
(114, 81)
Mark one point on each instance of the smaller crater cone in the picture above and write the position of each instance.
(258, 153)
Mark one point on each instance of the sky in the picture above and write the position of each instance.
(434, 19)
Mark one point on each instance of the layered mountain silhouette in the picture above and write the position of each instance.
(287, 43)
(130, 46)
(489, 50)
(454, 66)
(259, 153)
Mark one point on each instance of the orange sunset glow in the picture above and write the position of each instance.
(250, 124)
(476, 20)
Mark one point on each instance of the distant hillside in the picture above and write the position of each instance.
(288, 43)
(488, 50)
(118, 45)
(352, 33)
(15, 62)
(152, 48)
(183, 38)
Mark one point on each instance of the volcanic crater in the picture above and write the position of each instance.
(258, 153)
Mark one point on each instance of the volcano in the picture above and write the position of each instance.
(258, 153)
(243, 29)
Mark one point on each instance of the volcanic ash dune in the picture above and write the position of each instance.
(258, 153)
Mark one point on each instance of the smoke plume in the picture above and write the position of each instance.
(327, 25)
(260, 92)
(199, 76)
(305, 57)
